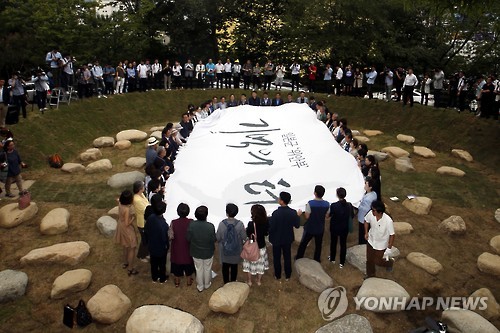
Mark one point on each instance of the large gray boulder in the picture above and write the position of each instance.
(395, 152)
(379, 156)
(497, 215)
(374, 289)
(352, 323)
(73, 167)
(55, 222)
(492, 310)
(70, 253)
(450, 171)
(402, 228)
(312, 275)
(229, 298)
(356, 256)
(454, 225)
(125, 179)
(362, 139)
(132, 135)
(156, 134)
(463, 154)
(489, 263)
(423, 151)
(107, 226)
(418, 205)
(99, 166)
(165, 320)
(11, 216)
(104, 141)
(466, 321)
(136, 162)
(372, 132)
(12, 285)
(108, 305)
(428, 264)
(92, 154)
(403, 164)
(123, 144)
(70, 282)
(406, 138)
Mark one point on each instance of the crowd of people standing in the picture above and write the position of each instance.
(192, 242)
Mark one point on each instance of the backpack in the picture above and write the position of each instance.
(55, 161)
(231, 246)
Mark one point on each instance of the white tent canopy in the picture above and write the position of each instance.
(247, 155)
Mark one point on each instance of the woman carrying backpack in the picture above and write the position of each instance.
(230, 235)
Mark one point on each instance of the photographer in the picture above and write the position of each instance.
(53, 59)
(389, 75)
(16, 84)
(67, 72)
(41, 86)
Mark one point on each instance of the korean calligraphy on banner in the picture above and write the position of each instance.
(248, 155)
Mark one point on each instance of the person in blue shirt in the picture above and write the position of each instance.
(210, 68)
(315, 213)
(364, 208)
(281, 225)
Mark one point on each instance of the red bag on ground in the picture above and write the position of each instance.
(24, 199)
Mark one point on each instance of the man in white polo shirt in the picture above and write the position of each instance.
(379, 232)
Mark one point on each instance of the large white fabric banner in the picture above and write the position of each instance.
(248, 155)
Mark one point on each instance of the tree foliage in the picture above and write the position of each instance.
(421, 33)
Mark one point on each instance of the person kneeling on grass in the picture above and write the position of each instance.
(156, 236)
(379, 232)
(201, 237)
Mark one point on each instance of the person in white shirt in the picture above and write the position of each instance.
(200, 74)
(426, 89)
(177, 75)
(236, 71)
(157, 71)
(219, 73)
(142, 72)
(67, 72)
(227, 73)
(280, 74)
(338, 80)
(409, 85)
(389, 81)
(4, 102)
(41, 86)
(295, 68)
(189, 74)
(53, 59)
(370, 81)
(379, 232)
(438, 86)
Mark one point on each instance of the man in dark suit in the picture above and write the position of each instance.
(281, 225)
(277, 101)
(254, 99)
(265, 100)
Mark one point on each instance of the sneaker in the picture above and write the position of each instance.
(10, 195)
(341, 265)
(332, 261)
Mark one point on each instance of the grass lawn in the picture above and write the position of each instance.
(274, 306)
